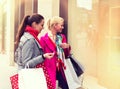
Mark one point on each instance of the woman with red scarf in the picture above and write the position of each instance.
(28, 31)
(32, 53)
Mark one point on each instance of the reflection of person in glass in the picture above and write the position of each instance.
(92, 35)
(54, 41)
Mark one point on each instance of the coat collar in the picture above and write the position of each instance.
(27, 36)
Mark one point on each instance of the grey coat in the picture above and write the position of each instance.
(31, 52)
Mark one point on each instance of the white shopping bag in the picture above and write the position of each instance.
(31, 78)
(71, 77)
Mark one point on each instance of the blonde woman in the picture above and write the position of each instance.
(54, 41)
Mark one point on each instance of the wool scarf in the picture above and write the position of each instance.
(33, 32)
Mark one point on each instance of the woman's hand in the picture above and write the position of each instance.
(48, 55)
(64, 45)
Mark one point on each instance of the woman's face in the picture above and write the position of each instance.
(59, 27)
(39, 26)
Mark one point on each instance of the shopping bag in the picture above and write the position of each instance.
(31, 78)
(79, 69)
(14, 81)
(71, 76)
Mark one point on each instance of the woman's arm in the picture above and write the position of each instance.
(66, 47)
(31, 54)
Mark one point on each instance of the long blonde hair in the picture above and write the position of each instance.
(53, 21)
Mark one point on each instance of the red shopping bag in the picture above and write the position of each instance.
(14, 81)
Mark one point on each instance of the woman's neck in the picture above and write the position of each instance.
(52, 35)
(53, 32)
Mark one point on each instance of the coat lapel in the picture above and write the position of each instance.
(49, 43)
(38, 44)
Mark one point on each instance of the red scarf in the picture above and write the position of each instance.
(33, 32)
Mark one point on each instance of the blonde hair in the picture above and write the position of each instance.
(53, 21)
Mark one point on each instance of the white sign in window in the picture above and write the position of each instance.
(87, 4)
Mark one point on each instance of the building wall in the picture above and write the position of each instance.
(6, 42)
(7, 28)
(48, 8)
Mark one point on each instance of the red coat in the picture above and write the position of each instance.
(49, 46)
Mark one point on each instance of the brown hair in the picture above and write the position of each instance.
(27, 20)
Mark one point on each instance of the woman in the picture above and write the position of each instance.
(32, 53)
(28, 31)
(55, 42)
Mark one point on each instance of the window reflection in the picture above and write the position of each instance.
(94, 34)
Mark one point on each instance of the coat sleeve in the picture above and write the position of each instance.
(30, 56)
(67, 50)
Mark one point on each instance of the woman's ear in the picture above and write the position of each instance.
(34, 24)
(55, 26)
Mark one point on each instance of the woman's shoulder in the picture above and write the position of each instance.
(26, 36)
(62, 35)
(63, 38)
(30, 43)
(43, 37)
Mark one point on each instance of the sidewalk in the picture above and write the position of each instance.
(6, 72)
(89, 82)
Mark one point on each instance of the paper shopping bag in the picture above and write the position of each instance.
(71, 76)
(31, 78)
(78, 67)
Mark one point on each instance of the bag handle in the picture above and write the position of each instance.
(27, 66)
